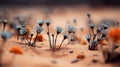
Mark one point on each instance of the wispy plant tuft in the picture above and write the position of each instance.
(96, 34)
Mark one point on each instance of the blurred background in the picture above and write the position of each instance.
(60, 11)
(61, 2)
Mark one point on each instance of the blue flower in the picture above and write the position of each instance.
(5, 35)
(39, 29)
(104, 33)
(71, 29)
(23, 30)
(48, 22)
(65, 36)
(18, 27)
(40, 22)
(59, 29)
(91, 25)
(88, 38)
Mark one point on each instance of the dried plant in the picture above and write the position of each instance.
(58, 31)
(48, 22)
(39, 29)
(18, 27)
(96, 34)
(64, 38)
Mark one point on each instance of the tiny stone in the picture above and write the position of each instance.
(74, 61)
(71, 51)
(54, 61)
(80, 56)
(94, 61)
(81, 29)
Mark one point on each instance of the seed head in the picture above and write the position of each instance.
(95, 42)
(48, 22)
(65, 36)
(18, 27)
(99, 39)
(71, 29)
(31, 34)
(39, 29)
(91, 26)
(4, 21)
(5, 35)
(88, 38)
(99, 30)
(23, 30)
(104, 26)
(104, 33)
(40, 22)
(72, 38)
(59, 29)
(88, 15)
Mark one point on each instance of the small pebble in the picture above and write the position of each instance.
(81, 29)
(94, 61)
(80, 56)
(71, 51)
(54, 61)
(74, 61)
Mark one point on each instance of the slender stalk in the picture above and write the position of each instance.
(61, 44)
(18, 35)
(89, 19)
(53, 42)
(4, 26)
(56, 40)
(48, 33)
(94, 36)
(35, 40)
(25, 39)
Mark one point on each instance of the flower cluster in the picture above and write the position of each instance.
(96, 34)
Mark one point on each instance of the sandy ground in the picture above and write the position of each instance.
(41, 56)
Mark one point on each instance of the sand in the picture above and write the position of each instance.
(42, 56)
